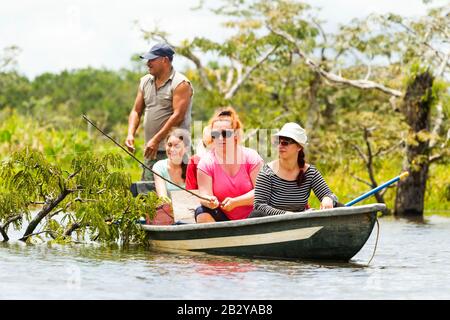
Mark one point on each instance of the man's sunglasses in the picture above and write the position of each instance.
(283, 141)
(223, 133)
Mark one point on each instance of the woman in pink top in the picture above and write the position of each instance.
(227, 173)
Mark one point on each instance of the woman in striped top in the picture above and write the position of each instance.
(284, 185)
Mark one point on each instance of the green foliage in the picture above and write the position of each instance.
(106, 96)
(90, 197)
(14, 89)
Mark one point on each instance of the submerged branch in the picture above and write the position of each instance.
(51, 204)
(50, 232)
(4, 227)
(4, 234)
(74, 226)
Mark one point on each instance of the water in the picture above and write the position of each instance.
(411, 262)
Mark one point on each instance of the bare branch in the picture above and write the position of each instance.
(54, 213)
(437, 124)
(443, 66)
(360, 152)
(12, 219)
(219, 82)
(229, 80)
(50, 232)
(74, 174)
(322, 32)
(361, 84)
(201, 70)
(435, 158)
(444, 153)
(441, 56)
(71, 229)
(79, 199)
(369, 163)
(393, 103)
(384, 151)
(37, 202)
(362, 180)
(382, 192)
(241, 79)
(369, 72)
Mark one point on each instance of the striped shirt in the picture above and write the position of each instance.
(274, 195)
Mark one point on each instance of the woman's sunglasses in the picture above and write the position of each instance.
(224, 133)
(283, 141)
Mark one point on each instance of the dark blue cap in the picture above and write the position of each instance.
(159, 50)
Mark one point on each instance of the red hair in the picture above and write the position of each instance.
(227, 114)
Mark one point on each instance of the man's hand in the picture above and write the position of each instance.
(151, 148)
(129, 142)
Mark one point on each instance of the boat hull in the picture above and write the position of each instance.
(336, 234)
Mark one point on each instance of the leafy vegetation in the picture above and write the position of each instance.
(90, 198)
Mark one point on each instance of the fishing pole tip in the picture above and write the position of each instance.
(404, 175)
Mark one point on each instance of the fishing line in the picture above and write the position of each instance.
(151, 170)
(376, 241)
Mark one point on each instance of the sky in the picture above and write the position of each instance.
(68, 34)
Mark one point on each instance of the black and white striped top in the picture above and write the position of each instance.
(274, 195)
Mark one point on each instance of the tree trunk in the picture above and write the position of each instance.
(369, 166)
(416, 107)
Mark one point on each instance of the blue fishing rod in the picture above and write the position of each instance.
(373, 191)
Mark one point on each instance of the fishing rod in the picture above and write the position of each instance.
(146, 167)
(375, 190)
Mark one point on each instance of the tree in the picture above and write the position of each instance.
(380, 140)
(8, 58)
(404, 42)
(104, 95)
(92, 199)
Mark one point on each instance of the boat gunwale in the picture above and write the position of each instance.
(341, 211)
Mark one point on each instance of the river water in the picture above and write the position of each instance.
(412, 261)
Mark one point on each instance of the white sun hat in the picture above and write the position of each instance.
(294, 131)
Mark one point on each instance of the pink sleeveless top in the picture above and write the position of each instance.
(231, 186)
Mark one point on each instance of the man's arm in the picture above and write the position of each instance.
(134, 119)
(182, 96)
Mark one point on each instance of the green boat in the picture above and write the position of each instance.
(335, 234)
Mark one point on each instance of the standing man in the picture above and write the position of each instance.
(165, 98)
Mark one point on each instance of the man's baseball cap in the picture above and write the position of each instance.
(159, 50)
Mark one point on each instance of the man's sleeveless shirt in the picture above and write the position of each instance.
(158, 104)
